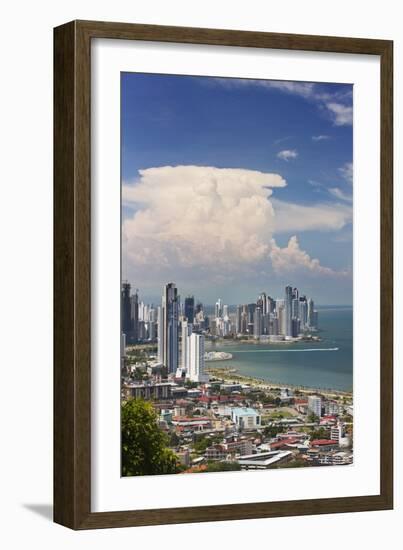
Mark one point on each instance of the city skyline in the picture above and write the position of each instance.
(259, 192)
(172, 318)
(237, 212)
(154, 299)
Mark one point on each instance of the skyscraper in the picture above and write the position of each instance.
(288, 310)
(311, 315)
(226, 323)
(271, 304)
(218, 308)
(189, 308)
(196, 358)
(238, 320)
(134, 313)
(303, 312)
(168, 338)
(295, 308)
(126, 310)
(185, 352)
(262, 303)
(251, 316)
(160, 334)
(257, 323)
(280, 312)
(244, 319)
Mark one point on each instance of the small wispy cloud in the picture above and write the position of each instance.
(339, 194)
(281, 140)
(317, 185)
(336, 105)
(304, 89)
(287, 154)
(320, 138)
(346, 172)
(342, 114)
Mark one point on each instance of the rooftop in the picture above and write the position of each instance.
(264, 459)
(319, 442)
(239, 411)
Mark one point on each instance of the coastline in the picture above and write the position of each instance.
(230, 374)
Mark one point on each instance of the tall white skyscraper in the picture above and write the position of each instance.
(303, 313)
(186, 332)
(218, 308)
(195, 371)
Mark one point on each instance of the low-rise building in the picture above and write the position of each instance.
(264, 461)
(324, 444)
(246, 418)
(198, 423)
(159, 390)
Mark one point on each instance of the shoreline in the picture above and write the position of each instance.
(228, 374)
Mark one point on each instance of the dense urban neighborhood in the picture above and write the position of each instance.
(183, 413)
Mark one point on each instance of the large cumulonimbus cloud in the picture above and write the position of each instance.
(216, 220)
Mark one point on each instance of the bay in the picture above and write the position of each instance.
(327, 364)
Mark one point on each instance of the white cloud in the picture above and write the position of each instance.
(193, 215)
(337, 105)
(346, 172)
(320, 138)
(342, 114)
(304, 89)
(315, 183)
(287, 154)
(291, 217)
(339, 194)
(207, 223)
(291, 259)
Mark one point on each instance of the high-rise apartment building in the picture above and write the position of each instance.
(189, 308)
(218, 309)
(257, 323)
(134, 312)
(168, 319)
(288, 310)
(311, 313)
(185, 352)
(315, 405)
(238, 320)
(195, 371)
(126, 310)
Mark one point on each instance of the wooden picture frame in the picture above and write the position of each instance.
(72, 272)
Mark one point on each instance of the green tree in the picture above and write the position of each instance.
(320, 433)
(144, 445)
(313, 418)
(295, 463)
(174, 439)
(272, 431)
(222, 467)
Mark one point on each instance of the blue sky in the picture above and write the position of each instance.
(299, 132)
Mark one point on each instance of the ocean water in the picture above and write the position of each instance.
(325, 364)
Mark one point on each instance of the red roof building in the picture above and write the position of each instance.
(323, 442)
